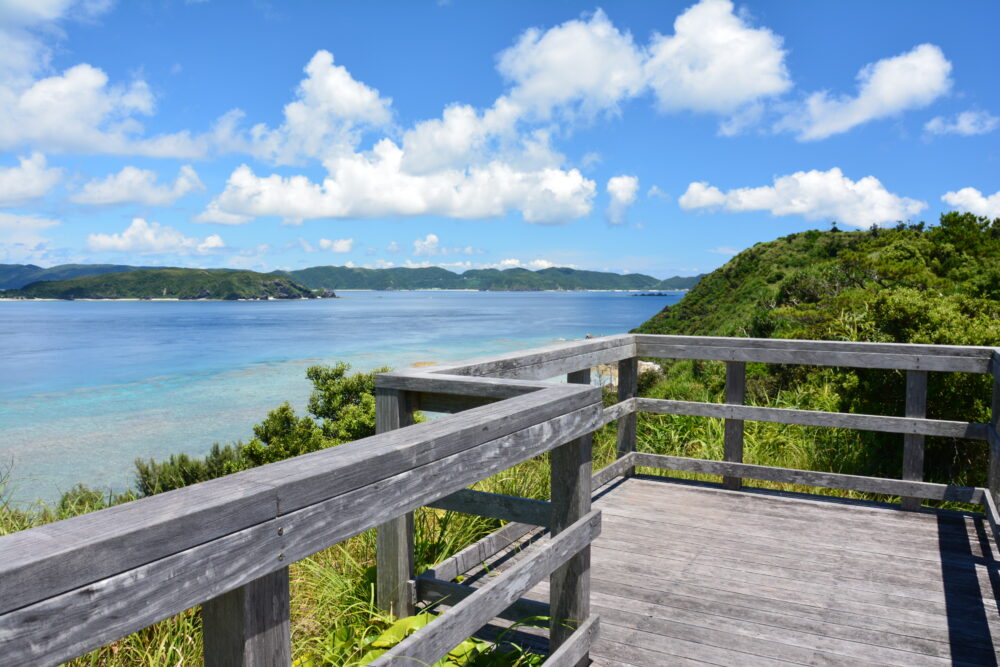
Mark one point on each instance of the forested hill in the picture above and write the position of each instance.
(13, 276)
(342, 277)
(169, 284)
(911, 283)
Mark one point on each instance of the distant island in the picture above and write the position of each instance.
(183, 284)
(28, 280)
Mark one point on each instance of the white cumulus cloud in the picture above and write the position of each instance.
(589, 64)
(330, 108)
(911, 80)
(428, 246)
(715, 61)
(29, 180)
(967, 124)
(813, 195)
(622, 190)
(974, 201)
(152, 238)
(134, 185)
(337, 245)
(374, 184)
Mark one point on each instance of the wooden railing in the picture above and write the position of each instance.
(71, 586)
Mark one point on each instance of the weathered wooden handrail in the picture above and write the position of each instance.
(71, 586)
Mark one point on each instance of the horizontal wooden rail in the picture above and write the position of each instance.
(433, 592)
(919, 349)
(813, 356)
(496, 506)
(465, 618)
(910, 425)
(890, 487)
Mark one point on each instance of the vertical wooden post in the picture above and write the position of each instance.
(394, 539)
(628, 387)
(994, 440)
(569, 585)
(913, 445)
(736, 380)
(249, 627)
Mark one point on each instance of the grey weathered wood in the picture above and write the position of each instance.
(570, 483)
(892, 487)
(811, 357)
(547, 362)
(576, 649)
(736, 382)
(628, 388)
(496, 506)
(618, 411)
(479, 552)
(913, 444)
(941, 427)
(617, 468)
(434, 591)
(463, 619)
(79, 620)
(994, 466)
(249, 626)
(394, 539)
(48, 560)
(971, 351)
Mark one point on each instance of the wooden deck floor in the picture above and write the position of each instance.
(685, 574)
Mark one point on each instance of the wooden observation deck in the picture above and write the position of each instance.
(631, 569)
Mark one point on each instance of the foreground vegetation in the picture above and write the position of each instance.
(908, 284)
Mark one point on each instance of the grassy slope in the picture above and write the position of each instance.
(169, 283)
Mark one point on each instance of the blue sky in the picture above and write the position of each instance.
(653, 137)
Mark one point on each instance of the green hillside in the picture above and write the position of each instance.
(169, 284)
(14, 276)
(908, 284)
(518, 279)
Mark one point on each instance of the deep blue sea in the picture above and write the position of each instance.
(87, 387)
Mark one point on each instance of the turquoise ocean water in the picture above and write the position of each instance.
(87, 387)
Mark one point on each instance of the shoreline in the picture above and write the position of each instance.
(429, 289)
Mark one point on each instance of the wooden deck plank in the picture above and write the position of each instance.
(686, 574)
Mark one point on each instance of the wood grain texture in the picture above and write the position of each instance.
(892, 487)
(571, 485)
(736, 390)
(575, 650)
(618, 411)
(628, 389)
(993, 475)
(970, 351)
(42, 562)
(249, 626)
(913, 444)
(436, 592)
(463, 619)
(84, 618)
(479, 552)
(813, 357)
(906, 425)
(394, 538)
(496, 506)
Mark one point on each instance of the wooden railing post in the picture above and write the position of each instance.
(569, 585)
(249, 627)
(994, 441)
(628, 387)
(913, 445)
(736, 380)
(394, 539)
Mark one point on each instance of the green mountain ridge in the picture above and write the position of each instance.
(16, 276)
(172, 283)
